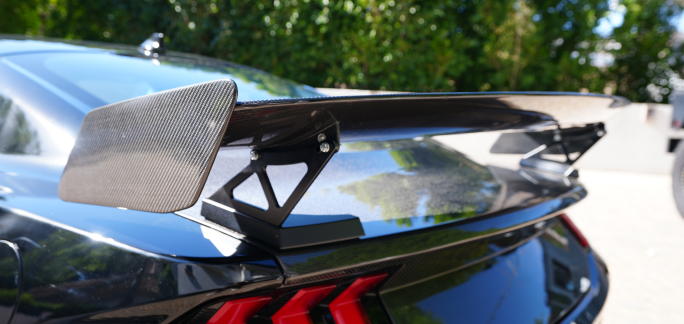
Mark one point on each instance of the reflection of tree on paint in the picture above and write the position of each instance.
(16, 135)
(413, 314)
(402, 303)
(9, 280)
(71, 264)
(433, 181)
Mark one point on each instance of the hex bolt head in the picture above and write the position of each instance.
(254, 155)
(321, 137)
(325, 147)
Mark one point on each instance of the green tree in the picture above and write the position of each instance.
(405, 45)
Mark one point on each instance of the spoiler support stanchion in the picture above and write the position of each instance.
(571, 143)
(276, 225)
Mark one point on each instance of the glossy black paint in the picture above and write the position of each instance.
(95, 78)
(588, 309)
(538, 272)
(546, 270)
(357, 256)
(97, 264)
(72, 273)
(404, 185)
(164, 234)
(10, 280)
(429, 178)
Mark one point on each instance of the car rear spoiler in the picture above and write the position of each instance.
(153, 153)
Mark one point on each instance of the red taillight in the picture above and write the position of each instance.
(239, 311)
(296, 311)
(575, 231)
(347, 308)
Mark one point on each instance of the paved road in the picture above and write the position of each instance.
(631, 220)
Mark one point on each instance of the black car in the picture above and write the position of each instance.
(205, 192)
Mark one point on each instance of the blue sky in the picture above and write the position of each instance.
(679, 22)
(616, 18)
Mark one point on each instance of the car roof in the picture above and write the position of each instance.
(15, 44)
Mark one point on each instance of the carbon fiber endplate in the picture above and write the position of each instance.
(151, 153)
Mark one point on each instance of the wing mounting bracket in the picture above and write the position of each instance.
(570, 143)
(276, 225)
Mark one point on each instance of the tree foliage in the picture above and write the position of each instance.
(405, 45)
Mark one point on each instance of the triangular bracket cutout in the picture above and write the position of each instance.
(284, 179)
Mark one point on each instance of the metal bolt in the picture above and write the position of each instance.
(556, 138)
(253, 155)
(325, 147)
(321, 137)
(600, 133)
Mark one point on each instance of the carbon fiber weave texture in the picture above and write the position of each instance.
(151, 153)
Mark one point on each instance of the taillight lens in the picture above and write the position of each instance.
(346, 308)
(575, 231)
(239, 311)
(296, 311)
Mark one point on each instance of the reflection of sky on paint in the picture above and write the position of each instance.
(388, 227)
(496, 292)
(422, 208)
(113, 78)
(154, 232)
(227, 164)
(388, 134)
